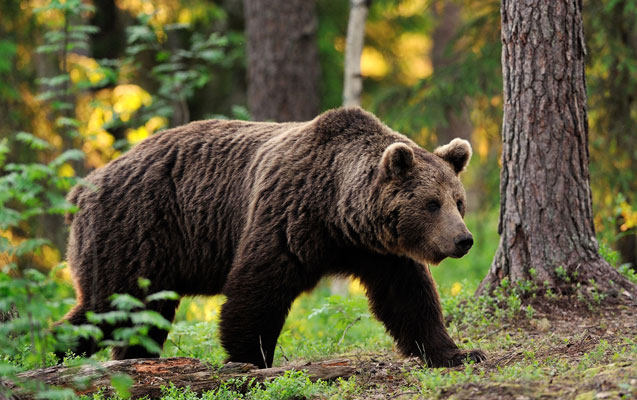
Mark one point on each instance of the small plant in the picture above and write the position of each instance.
(433, 381)
(135, 318)
(530, 311)
(561, 273)
(292, 385)
(347, 311)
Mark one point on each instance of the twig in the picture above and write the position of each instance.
(395, 396)
(262, 353)
(346, 329)
(283, 353)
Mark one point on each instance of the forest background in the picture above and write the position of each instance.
(83, 81)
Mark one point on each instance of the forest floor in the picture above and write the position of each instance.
(576, 353)
(537, 348)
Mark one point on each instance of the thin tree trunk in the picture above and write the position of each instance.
(546, 222)
(283, 65)
(352, 86)
(447, 19)
(353, 80)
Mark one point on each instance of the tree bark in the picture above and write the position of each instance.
(353, 80)
(150, 374)
(546, 221)
(282, 59)
(447, 16)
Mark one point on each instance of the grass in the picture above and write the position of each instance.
(550, 353)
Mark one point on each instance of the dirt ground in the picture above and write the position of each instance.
(575, 352)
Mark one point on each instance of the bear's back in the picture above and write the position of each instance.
(184, 189)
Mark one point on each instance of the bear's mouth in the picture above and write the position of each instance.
(459, 253)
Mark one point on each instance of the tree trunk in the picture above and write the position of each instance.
(546, 222)
(282, 59)
(150, 374)
(447, 18)
(353, 80)
(352, 86)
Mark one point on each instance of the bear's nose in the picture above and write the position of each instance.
(463, 242)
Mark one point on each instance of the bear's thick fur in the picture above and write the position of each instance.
(260, 212)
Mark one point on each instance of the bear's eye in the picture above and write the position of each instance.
(459, 205)
(433, 206)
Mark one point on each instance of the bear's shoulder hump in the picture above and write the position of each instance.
(347, 120)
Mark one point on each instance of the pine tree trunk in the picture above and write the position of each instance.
(283, 65)
(546, 222)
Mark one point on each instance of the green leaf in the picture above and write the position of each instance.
(9, 218)
(143, 283)
(84, 28)
(211, 55)
(111, 317)
(48, 48)
(122, 384)
(152, 318)
(30, 246)
(59, 205)
(7, 369)
(162, 295)
(140, 32)
(125, 302)
(60, 105)
(54, 37)
(54, 81)
(7, 53)
(149, 344)
(67, 122)
(54, 393)
(68, 155)
(34, 142)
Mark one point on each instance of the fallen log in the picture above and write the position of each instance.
(150, 374)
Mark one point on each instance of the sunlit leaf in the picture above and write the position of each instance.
(125, 302)
(33, 141)
(148, 317)
(162, 295)
(122, 384)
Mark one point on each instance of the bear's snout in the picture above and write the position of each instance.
(463, 244)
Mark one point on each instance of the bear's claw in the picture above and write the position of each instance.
(460, 357)
(464, 356)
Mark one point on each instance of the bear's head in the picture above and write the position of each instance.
(423, 201)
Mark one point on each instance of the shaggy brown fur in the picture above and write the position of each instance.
(260, 212)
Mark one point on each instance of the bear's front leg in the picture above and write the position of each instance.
(403, 296)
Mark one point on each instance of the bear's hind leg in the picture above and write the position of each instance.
(167, 309)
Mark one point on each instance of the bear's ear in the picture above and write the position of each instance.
(397, 159)
(457, 153)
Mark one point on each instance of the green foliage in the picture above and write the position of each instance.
(122, 383)
(292, 385)
(133, 321)
(611, 36)
(179, 74)
(320, 323)
(346, 311)
(432, 381)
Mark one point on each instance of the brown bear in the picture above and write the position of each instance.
(261, 211)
